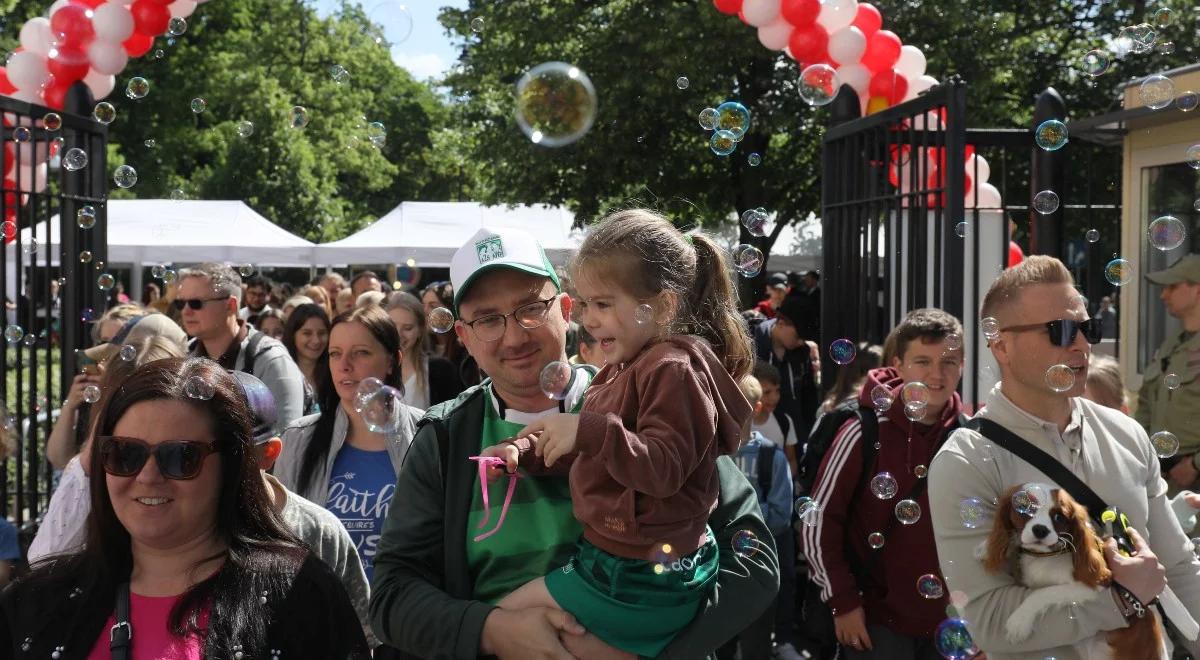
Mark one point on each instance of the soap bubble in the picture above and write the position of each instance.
(747, 260)
(379, 410)
(1165, 47)
(755, 221)
(245, 129)
(14, 333)
(159, 54)
(556, 379)
(157, 271)
(916, 412)
(85, 256)
(953, 640)
(1060, 378)
(733, 117)
(91, 393)
(930, 586)
(104, 112)
(1030, 499)
(908, 512)
(22, 134)
(974, 513)
(441, 320)
(176, 26)
(1166, 233)
(921, 471)
(643, 314)
(477, 24)
(1095, 62)
(990, 328)
(128, 352)
(1137, 39)
(52, 121)
(85, 217)
(106, 281)
(1092, 235)
(366, 388)
(808, 511)
(953, 341)
(1045, 202)
(391, 23)
(1162, 17)
(884, 486)
(298, 117)
(1051, 135)
(246, 270)
(1187, 101)
(555, 104)
(754, 159)
(962, 229)
(722, 143)
(31, 247)
(708, 118)
(1157, 91)
(199, 105)
(875, 540)
(842, 351)
(75, 159)
(30, 340)
(170, 276)
(1118, 272)
(125, 176)
(150, 143)
(682, 82)
(339, 74)
(914, 392)
(882, 398)
(1171, 380)
(1165, 443)
(745, 543)
(198, 388)
(377, 134)
(1193, 156)
(819, 84)
(137, 88)
(87, 315)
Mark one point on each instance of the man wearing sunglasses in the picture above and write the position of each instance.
(1042, 349)
(208, 304)
(443, 561)
(1169, 399)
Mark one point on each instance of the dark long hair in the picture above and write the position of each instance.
(379, 324)
(296, 320)
(453, 350)
(262, 555)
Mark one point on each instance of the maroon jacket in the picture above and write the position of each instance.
(649, 436)
(849, 517)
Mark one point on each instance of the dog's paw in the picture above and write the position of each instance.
(981, 550)
(1020, 624)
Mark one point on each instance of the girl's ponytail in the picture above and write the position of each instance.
(712, 303)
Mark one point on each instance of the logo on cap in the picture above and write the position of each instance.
(489, 249)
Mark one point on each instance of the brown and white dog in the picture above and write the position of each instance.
(1061, 558)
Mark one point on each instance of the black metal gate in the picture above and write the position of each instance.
(51, 293)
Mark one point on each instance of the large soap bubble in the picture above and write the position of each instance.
(556, 104)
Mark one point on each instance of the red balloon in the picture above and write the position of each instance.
(68, 64)
(801, 13)
(165, 3)
(151, 18)
(868, 19)
(890, 85)
(73, 25)
(6, 87)
(729, 7)
(138, 44)
(809, 45)
(55, 92)
(90, 4)
(1015, 255)
(883, 49)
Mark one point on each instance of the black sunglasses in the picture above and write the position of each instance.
(1064, 331)
(195, 303)
(176, 459)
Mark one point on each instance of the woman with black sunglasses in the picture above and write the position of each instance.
(183, 546)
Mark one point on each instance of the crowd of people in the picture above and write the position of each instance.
(640, 502)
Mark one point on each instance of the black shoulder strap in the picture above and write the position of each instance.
(766, 468)
(443, 440)
(252, 352)
(1039, 459)
(784, 423)
(120, 637)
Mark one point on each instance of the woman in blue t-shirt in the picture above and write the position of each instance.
(346, 457)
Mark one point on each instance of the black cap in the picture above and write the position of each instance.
(262, 405)
(794, 310)
(778, 281)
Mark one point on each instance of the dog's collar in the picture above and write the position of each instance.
(1062, 549)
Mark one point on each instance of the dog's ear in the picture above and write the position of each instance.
(1089, 565)
(995, 555)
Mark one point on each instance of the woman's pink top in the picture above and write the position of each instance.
(152, 639)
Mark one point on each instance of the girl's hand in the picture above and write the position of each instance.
(557, 436)
(508, 452)
(75, 394)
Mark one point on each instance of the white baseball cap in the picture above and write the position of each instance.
(498, 248)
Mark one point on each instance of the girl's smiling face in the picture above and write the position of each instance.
(621, 323)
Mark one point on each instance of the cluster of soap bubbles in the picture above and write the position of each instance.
(555, 380)
(915, 396)
(842, 351)
(378, 405)
(755, 220)
(729, 123)
(555, 104)
(747, 260)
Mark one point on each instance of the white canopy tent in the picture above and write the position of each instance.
(430, 233)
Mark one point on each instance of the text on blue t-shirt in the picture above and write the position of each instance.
(360, 491)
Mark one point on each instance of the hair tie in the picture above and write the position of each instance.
(688, 238)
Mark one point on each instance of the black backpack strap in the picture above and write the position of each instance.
(785, 424)
(1039, 459)
(252, 352)
(766, 468)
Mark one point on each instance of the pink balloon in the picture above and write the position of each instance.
(883, 49)
(760, 12)
(101, 84)
(847, 45)
(27, 70)
(36, 36)
(113, 22)
(182, 8)
(868, 19)
(775, 35)
(107, 57)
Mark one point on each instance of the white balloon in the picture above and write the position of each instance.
(987, 197)
(31, 177)
(787, 50)
(919, 85)
(29, 96)
(774, 36)
(760, 12)
(912, 62)
(101, 84)
(182, 8)
(36, 36)
(27, 70)
(113, 22)
(978, 168)
(33, 152)
(837, 14)
(857, 76)
(107, 57)
(847, 45)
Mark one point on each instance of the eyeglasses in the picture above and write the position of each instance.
(1063, 331)
(529, 316)
(195, 303)
(176, 459)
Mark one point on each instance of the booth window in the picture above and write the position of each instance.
(1166, 190)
